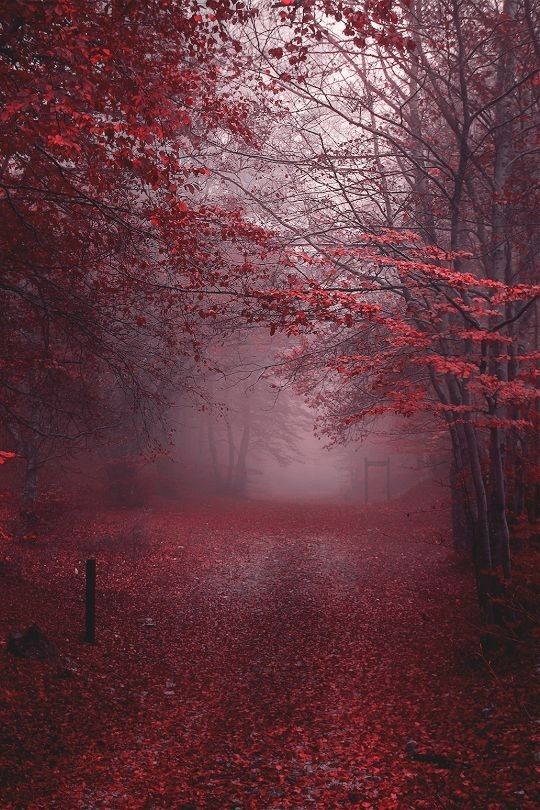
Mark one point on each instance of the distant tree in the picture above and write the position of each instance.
(103, 108)
(249, 419)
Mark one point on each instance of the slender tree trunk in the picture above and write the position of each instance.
(240, 479)
(231, 456)
(481, 499)
(502, 555)
(463, 519)
(213, 453)
(30, 490)
(501, 270)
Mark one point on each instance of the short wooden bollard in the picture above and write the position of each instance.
(90, 614)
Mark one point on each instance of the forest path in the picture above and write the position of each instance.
(274, 656)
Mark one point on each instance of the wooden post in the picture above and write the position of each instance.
(90, 614)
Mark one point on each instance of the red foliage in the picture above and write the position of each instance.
(259, 657)
(102, 108)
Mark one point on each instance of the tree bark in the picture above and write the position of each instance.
(213, 453)
(240, 478)
(502, 544)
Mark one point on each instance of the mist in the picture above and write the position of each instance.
(269, 482)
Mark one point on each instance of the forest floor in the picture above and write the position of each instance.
(258, 655)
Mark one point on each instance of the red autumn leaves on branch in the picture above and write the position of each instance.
(127, 238)
(357, 182)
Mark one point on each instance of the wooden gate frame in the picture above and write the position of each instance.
(367, 465)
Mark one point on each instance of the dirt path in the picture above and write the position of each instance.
(269, 656)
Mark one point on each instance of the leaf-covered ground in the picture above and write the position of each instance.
(257, 655)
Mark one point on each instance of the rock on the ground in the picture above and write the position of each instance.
(32, 644)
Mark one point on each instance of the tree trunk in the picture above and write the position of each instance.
(214, 454)
(240, 478)
(231, 456)
(461, 521)
(501, 554)
(30, 491)
(463, 518)
(31, 486)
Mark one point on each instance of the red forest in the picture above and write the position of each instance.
(269, 362)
